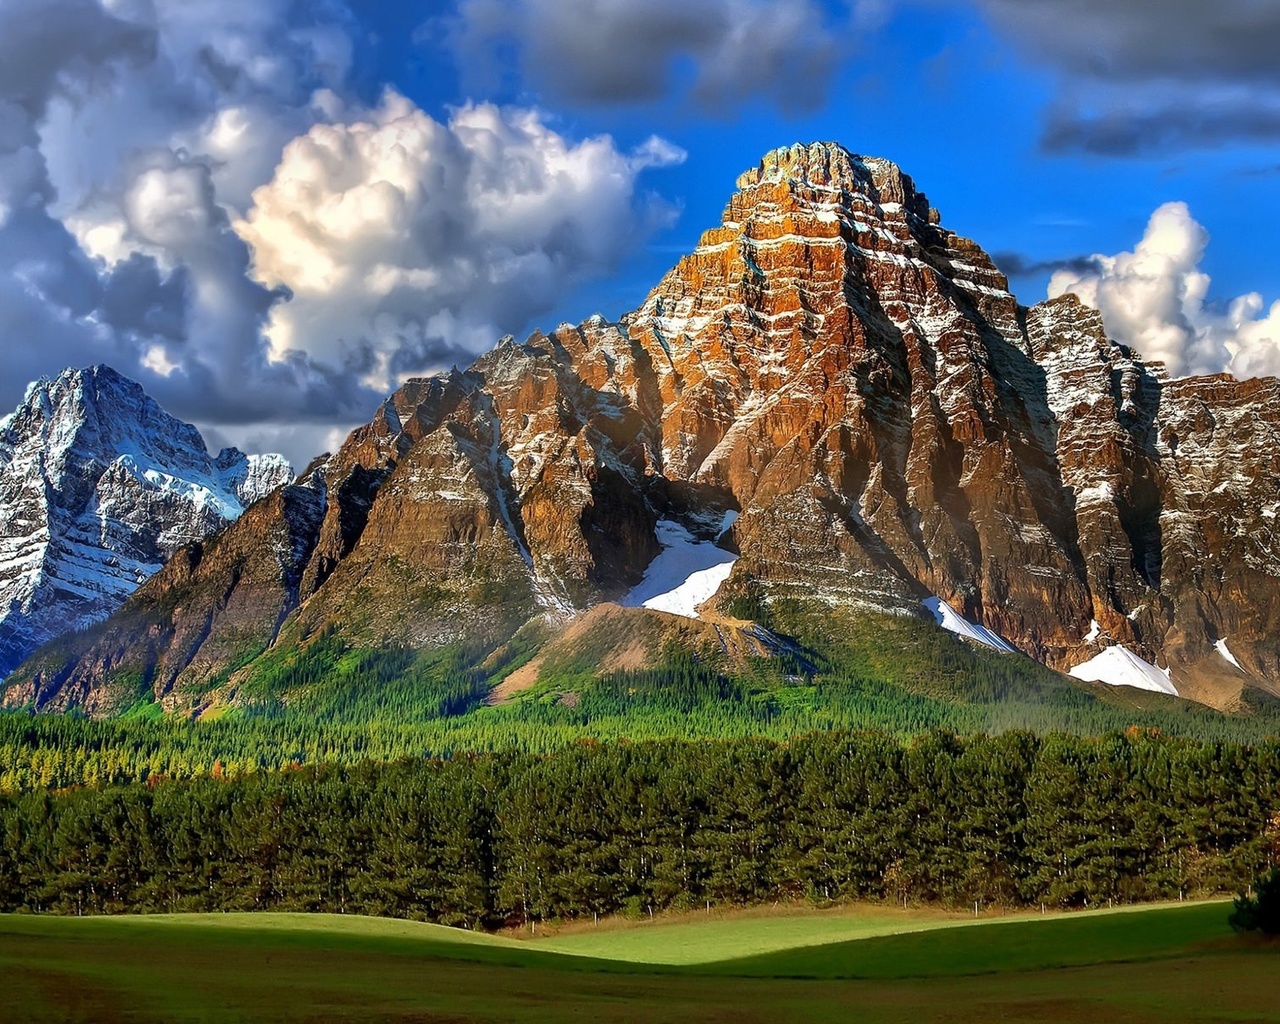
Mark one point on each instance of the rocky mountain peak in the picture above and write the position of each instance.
(812, 225)
(96, 407)
(834, 386)
(98, 486)
(815, 163)
(829, 165)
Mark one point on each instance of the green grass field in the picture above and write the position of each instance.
(1177, 963)
(695, 939)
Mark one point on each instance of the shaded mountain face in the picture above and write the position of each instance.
(833, 365)
(98, 487)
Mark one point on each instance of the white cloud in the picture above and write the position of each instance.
(1254, 344)
(1155, 300)
(168, 206)
(231, 81)
(134, 135)
(416, 239)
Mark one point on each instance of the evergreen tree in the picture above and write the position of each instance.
(1261, 911)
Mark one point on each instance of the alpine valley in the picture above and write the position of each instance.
(830, 421)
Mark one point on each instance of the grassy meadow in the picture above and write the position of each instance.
(1173, 963)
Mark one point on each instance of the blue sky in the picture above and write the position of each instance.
(210, 196)
(936, 89)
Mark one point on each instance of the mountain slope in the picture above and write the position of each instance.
(857, 385)
(98, 487)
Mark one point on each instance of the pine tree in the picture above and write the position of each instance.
(1261, 911)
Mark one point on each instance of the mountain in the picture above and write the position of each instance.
(833, 400)
(98, 487)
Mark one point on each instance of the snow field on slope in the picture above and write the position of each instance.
(953, 622)
(1222, 648)
(686, 573)
(1119, 666)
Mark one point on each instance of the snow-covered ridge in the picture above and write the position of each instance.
(98, 486)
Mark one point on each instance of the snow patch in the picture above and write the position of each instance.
(726, 524)
(1094, 632)
(685, 574)
(981, 289)
(200, 490)
(1119, 666)
(952, 621)
(1221, 648)
(1097, 494)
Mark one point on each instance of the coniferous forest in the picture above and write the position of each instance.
(493, 839)
(384, 783)
(331, 704)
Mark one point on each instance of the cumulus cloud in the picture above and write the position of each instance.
(612, 51)
(411, 239)
(114, 244)
(148, 146)
(1152, 74)
(47, 285)
(1154, 299)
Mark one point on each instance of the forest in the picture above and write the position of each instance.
(886, 764)
(328, 703)
(483, 840)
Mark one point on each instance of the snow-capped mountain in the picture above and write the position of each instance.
(892, 428)
(98, 487)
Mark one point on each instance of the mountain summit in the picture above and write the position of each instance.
(832, 387)
(98, 487)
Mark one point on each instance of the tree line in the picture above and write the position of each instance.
(620, 827)
(362, 718)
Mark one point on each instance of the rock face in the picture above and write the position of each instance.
(98, 487)
(851, 378)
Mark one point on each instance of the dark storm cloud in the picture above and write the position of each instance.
(1015, 264)
(1152, 75)
(62, 45)
(48, 287)
(1202, 40)
(418, 355)
(137, 297)
(95, 114)
(619, 51)
(1192, 123)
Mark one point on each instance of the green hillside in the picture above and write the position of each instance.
(325, 702)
